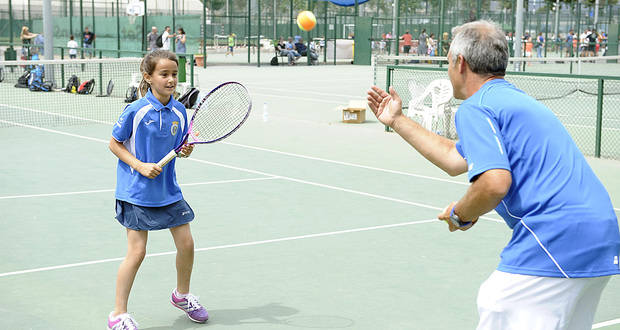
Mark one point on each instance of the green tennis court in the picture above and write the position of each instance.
(301, 221)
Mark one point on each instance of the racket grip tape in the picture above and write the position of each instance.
(170, 156)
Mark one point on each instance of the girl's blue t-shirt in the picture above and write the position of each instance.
(149, 130)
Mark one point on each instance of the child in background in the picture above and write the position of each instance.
(72, 45)
(148, 197)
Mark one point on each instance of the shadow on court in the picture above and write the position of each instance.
(273, 313)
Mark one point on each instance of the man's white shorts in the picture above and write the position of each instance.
(517, 302)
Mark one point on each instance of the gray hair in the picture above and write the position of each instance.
(483, 45)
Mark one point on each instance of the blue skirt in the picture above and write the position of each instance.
(138, 217)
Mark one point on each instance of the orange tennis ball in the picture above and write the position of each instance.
(306, 20)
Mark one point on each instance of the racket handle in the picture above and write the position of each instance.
(170, 156)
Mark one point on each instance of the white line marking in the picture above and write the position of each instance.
(605, 324)
(331, 187)
(111, 190)
(291, 91)
(263, 173)
(346, 163)
(57, 114)
(299, 98)
(220, 247)
(59, 194)
(54, 131)
(283, 153)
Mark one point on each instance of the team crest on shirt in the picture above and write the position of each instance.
(174, 128)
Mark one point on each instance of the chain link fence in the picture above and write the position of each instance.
(588, 106)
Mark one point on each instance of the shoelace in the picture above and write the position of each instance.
(128, 323)
(192, 302)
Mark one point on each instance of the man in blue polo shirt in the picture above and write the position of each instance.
(523, 163)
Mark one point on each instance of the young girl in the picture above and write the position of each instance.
(148, 197)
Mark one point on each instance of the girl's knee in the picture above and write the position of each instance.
(186, 246)
(137, 254)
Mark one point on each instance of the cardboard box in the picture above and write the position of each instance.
(353, 115)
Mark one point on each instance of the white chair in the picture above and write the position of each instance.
(440, 91)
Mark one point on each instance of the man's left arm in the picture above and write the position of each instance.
(482, 145)
(485, 193)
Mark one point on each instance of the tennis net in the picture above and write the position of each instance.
(601, 65)
(22, 106)
(586, 105)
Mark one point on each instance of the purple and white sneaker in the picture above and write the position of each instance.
(190, 305)
(122, 322)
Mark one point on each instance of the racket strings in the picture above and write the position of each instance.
(221, 113)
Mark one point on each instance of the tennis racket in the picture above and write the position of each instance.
(219, 114)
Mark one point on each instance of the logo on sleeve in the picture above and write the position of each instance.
(175, 128)
(471, 167)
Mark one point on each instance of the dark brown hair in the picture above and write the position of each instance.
(148, 64)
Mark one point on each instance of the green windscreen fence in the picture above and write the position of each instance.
(588, 106)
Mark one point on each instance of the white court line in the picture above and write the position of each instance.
(605, 324)
(299, 98)
(111, 190)
(290, 91)
(55, 131)
(56, 114)
(279, 176)
(346, 163)
(220, 247)
(332, 187)
(258, 172)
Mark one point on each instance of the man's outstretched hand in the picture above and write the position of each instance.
(386, 107)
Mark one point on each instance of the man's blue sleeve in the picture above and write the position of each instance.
(124, 125)
(480, 141)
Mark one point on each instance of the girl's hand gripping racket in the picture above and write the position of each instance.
(219, 114)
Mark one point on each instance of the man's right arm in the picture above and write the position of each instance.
(437, 149)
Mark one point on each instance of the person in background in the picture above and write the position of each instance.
(291, 51)
(431, 45)
(407, 42)
(26, 36)
(540, 44)
(445, 43)
(72, 45)
(422, 48)
(165, 38)
(87, 40)
(569, 43)
(231, 44)
(151, 39)
(303, 50)
(180, 41)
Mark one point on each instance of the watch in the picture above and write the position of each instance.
(456, 220)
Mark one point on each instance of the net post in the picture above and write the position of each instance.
(388, 82)
(100, 76)
(191, 70)
(204, 40)
(62, 73)
(599, 118)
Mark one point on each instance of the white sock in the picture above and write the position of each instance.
(114, 318)
(179, 295)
